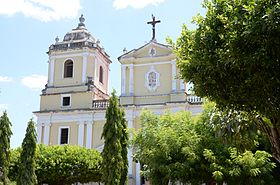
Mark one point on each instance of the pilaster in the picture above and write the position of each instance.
(47, 133)
(123, 80)
(138, 173)
(80, 133)
(51, 72)
(84, 72)
(131, 80)
(173, 63)
(39, 133)
(89, 134)
(182, 85)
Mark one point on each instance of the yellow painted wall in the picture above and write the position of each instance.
(78, 101)
(151, 99)
(66, 89)
(90, 67)
(73, 135)
(59, 79)
(165, 79)
(97, 131)
(159, 52)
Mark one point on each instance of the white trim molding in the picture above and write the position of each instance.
(81, 133)
(124, 79)
(51, 72)
(182, 85)
(84, 73)
(173, 64)
(47, 133)
(131, 80)
(59, 135)
(89, 134)
(39, 133)
(152, 87)
(138, 176)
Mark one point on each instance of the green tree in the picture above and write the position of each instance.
(27, 163)
(233, 59)
(114, 166)
(233, 152)
(5, 135)
(167, 147)
(174, 147)
(62, 165)
(124, 145)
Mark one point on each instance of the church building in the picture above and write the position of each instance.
(74, 101)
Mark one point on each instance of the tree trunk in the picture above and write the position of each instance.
(274, 138)
(273, 132)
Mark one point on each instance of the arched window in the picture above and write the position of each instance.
(68, 69)
(101, 74)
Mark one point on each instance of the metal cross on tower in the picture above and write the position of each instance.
(153, 23)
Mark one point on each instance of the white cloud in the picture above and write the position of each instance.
(5, 79)
(34, 81)
(120, 4)
(43, 10)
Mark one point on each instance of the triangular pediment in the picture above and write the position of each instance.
(151, 49)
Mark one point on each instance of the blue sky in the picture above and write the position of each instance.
(29, 27)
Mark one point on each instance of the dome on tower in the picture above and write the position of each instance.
(77, 38)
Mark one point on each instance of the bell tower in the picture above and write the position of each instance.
(78, 74)
(78, 71)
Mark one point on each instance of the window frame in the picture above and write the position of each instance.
(59, 135)
(64, 68)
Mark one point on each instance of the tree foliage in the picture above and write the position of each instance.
(5, 135)
(166, 146)
(176, 147)
(124, 145)
(115, 162)
(233, 151)
(26, 174)
(233, 59)
(62, 165)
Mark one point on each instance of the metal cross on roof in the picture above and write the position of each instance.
(153, 23)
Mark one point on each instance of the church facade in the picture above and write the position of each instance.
(74, 101)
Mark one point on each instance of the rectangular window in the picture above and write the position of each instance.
(66, 101)
(64, 136)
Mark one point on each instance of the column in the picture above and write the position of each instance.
(89, 134)
(182, 85)
(138, 173)
(123, 80)
(131, 80)
(51, 72)
(39, 133)
(47, 133)
(84, 73)
(95, 76)
(81, 133)
(173, 63)
(129, 154)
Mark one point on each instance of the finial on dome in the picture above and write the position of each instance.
(56, 39)
(82, 20)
